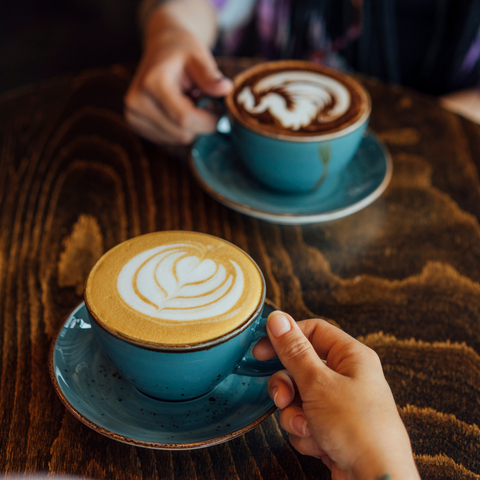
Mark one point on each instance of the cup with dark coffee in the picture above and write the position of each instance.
(177, 312)
(295, 123)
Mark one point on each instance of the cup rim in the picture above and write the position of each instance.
(195, 346)
(273, 65)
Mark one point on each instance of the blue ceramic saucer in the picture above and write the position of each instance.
(93, 391)
(222, 175)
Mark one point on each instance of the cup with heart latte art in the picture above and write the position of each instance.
(296, 123)
(177, 312)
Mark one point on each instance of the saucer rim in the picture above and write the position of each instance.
(301, 219)
(133, 441)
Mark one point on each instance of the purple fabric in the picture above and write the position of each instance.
(273, 26)
(265, 16)
(472, 57)
(231, 41)
(219, 4)
(267, 27)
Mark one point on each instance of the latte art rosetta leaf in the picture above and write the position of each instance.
(296, 99)
(181, 282)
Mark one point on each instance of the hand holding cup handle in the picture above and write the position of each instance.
(175, 63)
(252, 367)
(335, 402)
(176, 312)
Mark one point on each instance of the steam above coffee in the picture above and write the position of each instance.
(296, 98)
(173, 288)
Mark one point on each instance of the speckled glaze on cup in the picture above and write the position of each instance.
(184, 371)
(294, 163)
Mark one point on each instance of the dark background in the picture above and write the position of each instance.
(40, 39)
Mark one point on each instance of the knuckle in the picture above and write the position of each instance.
(152, 79)
(130, 117)
(374, 357)
(157, 79)
(130, 99)
(295, 348)
(182, 118)
(284, 419)
(299, 444)
(186, 138)
(369, 356)
(286, 416)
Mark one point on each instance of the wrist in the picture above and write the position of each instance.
(399, 468)
(194, 17)
(146, 9)
(389, 460)
(162, 29)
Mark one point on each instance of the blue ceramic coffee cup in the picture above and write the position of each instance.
(295, 162)
(182, 369)
(179, 374)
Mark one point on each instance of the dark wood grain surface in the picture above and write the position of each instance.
(403, 275)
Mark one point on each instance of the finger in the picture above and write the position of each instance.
(335, 345)
(148, 130)
(264, 350)
(308, 446)
(166, 91)
(142, 105)
(204, 71)
(295, 351)
(292, 419)
(281, 389)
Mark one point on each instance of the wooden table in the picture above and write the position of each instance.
(402, 275)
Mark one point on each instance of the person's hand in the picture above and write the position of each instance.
(335, 402)
(176, 65)
(464, 102)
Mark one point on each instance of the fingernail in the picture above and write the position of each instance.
(219, 77)
(275, 393)
(223, 80)
(195, 92)
(278, 324)
(300, 425)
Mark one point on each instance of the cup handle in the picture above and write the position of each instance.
(223, 124)
(249, 365)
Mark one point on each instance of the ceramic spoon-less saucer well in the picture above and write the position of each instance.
(93, 391)
(221, 174)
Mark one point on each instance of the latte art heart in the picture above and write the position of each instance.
(181, 282)
(296, 99)
(174, 288)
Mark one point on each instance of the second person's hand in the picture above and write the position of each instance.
(176, 64)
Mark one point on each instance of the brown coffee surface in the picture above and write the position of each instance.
(173, 288)
(264, 121)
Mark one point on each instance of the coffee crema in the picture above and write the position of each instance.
(173, 288)
(297, 99)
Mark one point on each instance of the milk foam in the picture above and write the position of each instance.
(174, 288)
(180, 282)
(297, 98)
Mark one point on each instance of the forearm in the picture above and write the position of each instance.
(194, 16)
(391, 459)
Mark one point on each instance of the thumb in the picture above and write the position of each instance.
(294, 350)
(204, 72)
